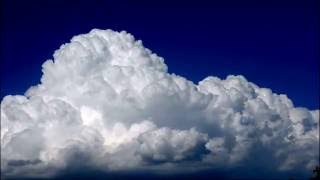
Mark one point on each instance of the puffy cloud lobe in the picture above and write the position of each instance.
(165, 145)
(109, 102)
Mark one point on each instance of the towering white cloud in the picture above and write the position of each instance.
(108, 103)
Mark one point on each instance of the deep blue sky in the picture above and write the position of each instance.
(272, 43)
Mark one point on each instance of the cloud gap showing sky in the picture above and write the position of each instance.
(108, 104)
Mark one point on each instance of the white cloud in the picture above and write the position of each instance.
(106, 101)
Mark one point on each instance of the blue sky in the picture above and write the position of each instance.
(273, 44)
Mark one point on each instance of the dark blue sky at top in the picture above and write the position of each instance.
(272, 43)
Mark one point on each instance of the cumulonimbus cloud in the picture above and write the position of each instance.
(108, 103)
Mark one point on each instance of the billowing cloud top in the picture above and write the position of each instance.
(105, 102)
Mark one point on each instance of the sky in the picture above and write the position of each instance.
(196, 90)
(271, 43)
